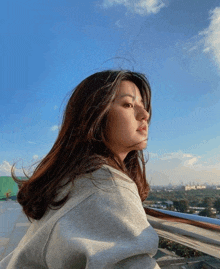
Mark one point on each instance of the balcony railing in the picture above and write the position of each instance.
(203, 235)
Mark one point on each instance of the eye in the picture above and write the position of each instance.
(129, 105)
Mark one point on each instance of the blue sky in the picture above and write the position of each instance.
(48, 47)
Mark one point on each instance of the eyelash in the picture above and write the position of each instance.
(130, 105)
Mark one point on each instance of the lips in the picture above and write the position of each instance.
(142, 128)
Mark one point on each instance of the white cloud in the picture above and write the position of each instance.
(193, 48)
(153, 155)
(55, 107)
(178, 155)
(191, 161)
(118, 23)
(5, 168)
(206, 50)
(187, 155)
(35, 157)
(55, 127)
(179, 167)
(141, 7)
(212, 35)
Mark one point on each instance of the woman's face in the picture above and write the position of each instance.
(127, 123)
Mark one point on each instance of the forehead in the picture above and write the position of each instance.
(128, 87)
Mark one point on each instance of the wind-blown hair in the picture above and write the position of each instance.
(79, 147)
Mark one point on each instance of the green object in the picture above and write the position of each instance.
(7, 185)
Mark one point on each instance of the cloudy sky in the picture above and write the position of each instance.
(48, 47)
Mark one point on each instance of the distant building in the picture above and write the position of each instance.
(200, 187)
(8, 187)
(188, 188)
(193, 187)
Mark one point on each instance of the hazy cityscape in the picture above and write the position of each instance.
(197, 199)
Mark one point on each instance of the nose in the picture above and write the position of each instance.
(143, 114)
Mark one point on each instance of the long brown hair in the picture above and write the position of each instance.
(79, 147)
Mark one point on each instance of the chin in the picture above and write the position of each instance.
(142, 145)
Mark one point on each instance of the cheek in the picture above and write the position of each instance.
(112, 118)
(118, 122)
(120, 128)
(113, 125)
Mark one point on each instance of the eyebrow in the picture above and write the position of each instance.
(127, 94)
(132, 96)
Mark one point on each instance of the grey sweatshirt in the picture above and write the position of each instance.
(102, 225)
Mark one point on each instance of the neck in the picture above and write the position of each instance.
(117, 164)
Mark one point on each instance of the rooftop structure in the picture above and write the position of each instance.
(194, 187)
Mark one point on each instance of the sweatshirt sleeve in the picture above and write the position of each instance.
(108, 230)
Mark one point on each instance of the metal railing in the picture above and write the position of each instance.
(190, 216)
(201, 239)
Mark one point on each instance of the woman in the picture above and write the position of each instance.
(85, 197)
